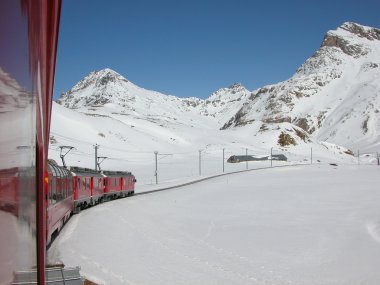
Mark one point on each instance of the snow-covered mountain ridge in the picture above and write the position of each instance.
(107, 88)
(334, 96)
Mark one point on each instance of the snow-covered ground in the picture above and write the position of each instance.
(132, 148)
(311, 224)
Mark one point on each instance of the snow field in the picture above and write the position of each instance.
(315, 224)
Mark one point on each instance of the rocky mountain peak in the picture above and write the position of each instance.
(333, 95)
(349, 38)
(105, 76)
(361, 31)
(236, 86)
(234, 92)
(97, 88)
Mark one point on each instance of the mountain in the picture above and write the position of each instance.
(13, 96)
(334, 96)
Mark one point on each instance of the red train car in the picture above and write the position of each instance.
(9, 196)
(28, 47)
(88, 187)
(118, 184)
(60, 197)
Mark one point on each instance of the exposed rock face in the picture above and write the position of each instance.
(353, 49)
(344, 45)
(361, 31)
(333, 90)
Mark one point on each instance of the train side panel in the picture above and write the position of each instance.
(118, 184)
(88, 187)
(28, 45)
(60, 198)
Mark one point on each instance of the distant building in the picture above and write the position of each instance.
(243, 158)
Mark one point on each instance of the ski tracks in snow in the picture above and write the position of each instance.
(218, 259)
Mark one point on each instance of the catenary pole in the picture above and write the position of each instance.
(156, 171)
(246, 158)
(200, 163)
(311, 155)
(271, 160)
(223, 160)
(96, 146)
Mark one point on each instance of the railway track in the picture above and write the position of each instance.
(209, 178)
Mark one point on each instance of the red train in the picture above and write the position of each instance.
(74, 189)
(36, 197)
(28, 49)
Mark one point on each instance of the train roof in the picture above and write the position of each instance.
(57, 170)
(83, 170)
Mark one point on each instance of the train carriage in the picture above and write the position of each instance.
(118, 184)
(28, 45)
(88, 187)
(60, 198)
(9, 190)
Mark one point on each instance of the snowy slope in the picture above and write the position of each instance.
(106, 89)
(332, 100)
(261, 227)
(334, 96)
(129, 143)
(17, 121)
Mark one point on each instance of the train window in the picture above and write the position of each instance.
(95, 185)
(54, 189)
(59, 189)
(63, 188)
(66, 188)
(50, 185)
(70, 187)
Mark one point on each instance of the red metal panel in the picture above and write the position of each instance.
(28, 44)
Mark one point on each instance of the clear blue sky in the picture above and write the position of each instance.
(194, 47)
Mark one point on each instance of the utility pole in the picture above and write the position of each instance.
(246, 158)
(223, 160)
(62, 156)
(100, 160)
(311, 155)
(96, 146)
(200, 163)
(271, 160)
(156, 173)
